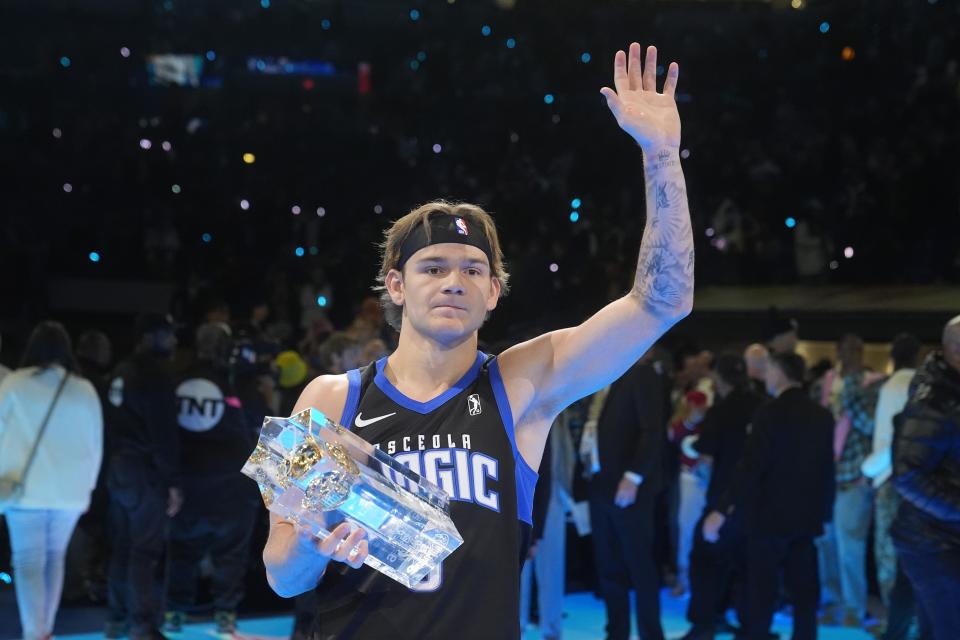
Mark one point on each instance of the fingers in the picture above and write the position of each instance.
(634, 68)
(670, 86)
(620, 80)
(650, 69)
(358, 554)
(613, 102)
(329, 545)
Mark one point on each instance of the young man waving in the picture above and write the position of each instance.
(476, 425)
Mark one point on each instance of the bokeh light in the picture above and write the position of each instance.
(249, 158)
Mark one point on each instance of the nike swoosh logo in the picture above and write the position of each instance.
(361, 423)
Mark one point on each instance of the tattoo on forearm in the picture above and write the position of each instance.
(665, 268)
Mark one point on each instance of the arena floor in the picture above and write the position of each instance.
(584, 620)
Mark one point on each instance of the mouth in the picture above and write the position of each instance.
(449, 306)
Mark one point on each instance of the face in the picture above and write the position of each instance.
(850, 353)
(785, 342)
(774, 379)
(446, 291)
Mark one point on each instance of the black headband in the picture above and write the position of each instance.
(444, 228)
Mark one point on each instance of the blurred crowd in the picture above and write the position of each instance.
(676, 469)
(824, 132)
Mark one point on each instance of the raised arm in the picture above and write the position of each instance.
(549, 372)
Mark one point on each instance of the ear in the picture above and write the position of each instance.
(494, 296)
(394, 284)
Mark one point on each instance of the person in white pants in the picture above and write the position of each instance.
(58, 482)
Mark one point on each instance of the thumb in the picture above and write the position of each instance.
(613, 101)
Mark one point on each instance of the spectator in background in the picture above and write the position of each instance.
(780, 333)
(827, 391)
(878, 466)
(926, 473)
(90, 549)
(51, 442)
(756, 356)
(144, 478)
(844, 545)
(623, 489)
(784, 487)
(546, 561)
(220, 505)
(715, 566)
(694, 475)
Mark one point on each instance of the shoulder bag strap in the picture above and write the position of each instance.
(43, 426)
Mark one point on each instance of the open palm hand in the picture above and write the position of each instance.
(651, 118)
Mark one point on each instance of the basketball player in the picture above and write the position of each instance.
(476, 425)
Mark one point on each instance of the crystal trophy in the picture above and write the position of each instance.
(315, 473)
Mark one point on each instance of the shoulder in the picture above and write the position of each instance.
(326, 393)
(82, 386)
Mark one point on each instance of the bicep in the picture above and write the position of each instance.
(556, 369)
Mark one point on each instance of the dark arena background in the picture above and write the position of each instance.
(235, 162)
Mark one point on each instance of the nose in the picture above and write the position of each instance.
(453, 284)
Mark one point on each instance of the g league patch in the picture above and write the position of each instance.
(462, 227)
(473, 404)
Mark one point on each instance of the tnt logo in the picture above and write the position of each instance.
(462, 227)
(473, 405)
(200, 405)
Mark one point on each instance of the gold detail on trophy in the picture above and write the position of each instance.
(268, 496)
(259, 454)
(342, 458)
(328, 491)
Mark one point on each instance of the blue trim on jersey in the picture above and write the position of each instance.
(526, 477)
(353, 399)
(426, 407)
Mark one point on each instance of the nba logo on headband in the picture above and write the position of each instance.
(462, 227)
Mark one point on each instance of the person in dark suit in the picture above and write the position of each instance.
(721, 442)
(630, 431)
(783, 489)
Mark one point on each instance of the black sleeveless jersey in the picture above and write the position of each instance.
(463, 441)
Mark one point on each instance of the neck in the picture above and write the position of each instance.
(421, 368)
(848, 369)
(787, 387)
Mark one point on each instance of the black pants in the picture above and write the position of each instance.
(714, 568)
(796, 556)
(212, 521)
(138, 530)
(623, 549)
(904, 610)
(935, 576)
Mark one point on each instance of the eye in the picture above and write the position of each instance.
(433, 271)
(473, 271)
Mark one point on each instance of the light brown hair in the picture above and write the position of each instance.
(400, 229)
